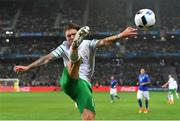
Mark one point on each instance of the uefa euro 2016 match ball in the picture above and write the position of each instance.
(145, 19)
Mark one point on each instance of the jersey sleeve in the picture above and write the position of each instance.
(92, 44)
(148, 78)
(58, 52)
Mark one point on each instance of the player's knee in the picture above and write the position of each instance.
(88, 115)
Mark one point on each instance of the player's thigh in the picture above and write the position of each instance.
(171, 91)
(146, 95)
(113, 91)
(174, 91)
(139, 94)
(68, 85)
(73, 69)
(84, 96)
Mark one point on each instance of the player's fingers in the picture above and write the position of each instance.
(17, 69)
(132, 29)
(133, 33)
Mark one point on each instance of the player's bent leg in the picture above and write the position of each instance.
(83, 32)
(88, 115)
(73, 69)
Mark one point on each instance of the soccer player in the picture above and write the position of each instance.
(172, 89)
(113, 89)
(143, 92)
(79, 60)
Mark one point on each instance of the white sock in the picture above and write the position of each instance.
(172, 98)
(74, 55)
(169, 97)
(177, 95)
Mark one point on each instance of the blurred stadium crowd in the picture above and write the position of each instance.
(35, 27)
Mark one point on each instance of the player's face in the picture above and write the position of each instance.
(70, 34)
(142, 71)
(169, 76)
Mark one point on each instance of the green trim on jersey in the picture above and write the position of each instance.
(79, 90)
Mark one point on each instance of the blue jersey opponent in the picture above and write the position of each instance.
(114, 83)
(143, 78)
(143, 92)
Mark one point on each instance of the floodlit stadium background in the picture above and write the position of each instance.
(32, 28)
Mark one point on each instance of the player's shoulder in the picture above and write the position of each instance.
(147, 75)
(93, 41)
(64, 43)
(86, 41)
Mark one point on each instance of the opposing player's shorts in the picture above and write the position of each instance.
(142, 94)
(113, 91)
(79, 90)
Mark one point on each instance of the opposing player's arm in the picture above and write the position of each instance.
(41, 61)
(128, 32)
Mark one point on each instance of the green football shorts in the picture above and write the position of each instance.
(172, 91)
(79, 90)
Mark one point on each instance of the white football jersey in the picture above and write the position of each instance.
(172, 83)
(175, 85)
(86, 51)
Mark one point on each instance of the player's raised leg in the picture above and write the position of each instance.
(73, 65)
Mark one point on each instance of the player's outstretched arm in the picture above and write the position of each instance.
(128, 32)
(41, 61)
(165, 85)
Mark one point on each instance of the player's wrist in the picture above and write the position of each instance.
(28, 67)
(119, 36)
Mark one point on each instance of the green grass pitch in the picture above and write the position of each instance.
(58, 106)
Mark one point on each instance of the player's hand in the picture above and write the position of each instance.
(142, 84)
(20, 68)
(128, 32)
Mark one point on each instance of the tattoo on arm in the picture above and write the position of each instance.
(109, 40)
(41, 61)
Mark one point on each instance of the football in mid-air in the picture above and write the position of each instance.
(145, 19)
